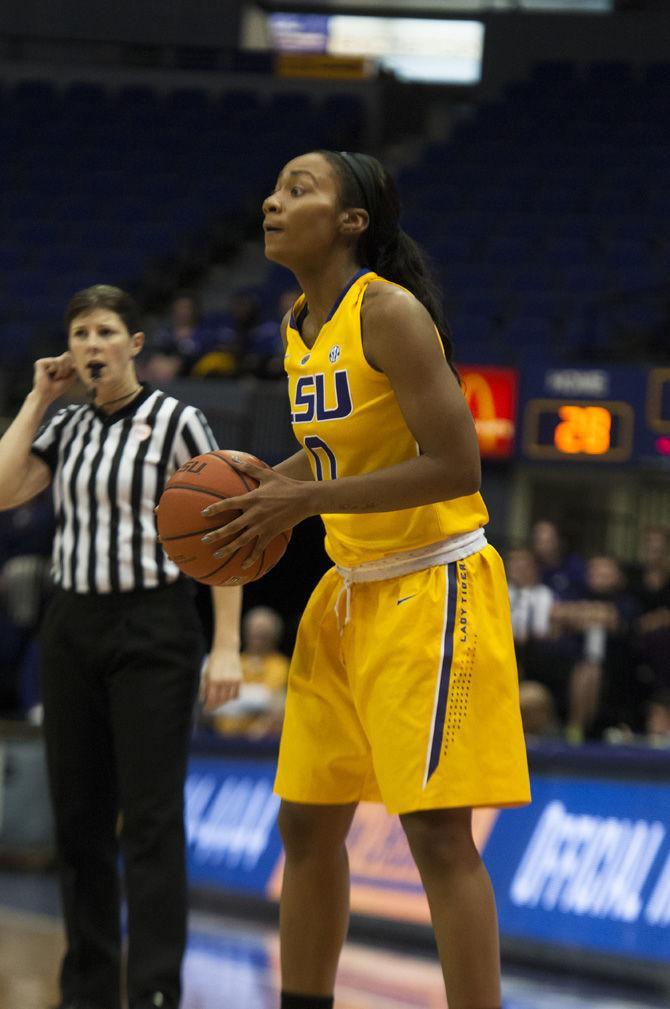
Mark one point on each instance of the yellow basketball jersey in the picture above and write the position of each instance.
(345, 415)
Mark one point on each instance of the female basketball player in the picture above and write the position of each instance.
(121, 648)
(403, 685)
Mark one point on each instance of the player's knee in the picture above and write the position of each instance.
(312, 830)
(439, 836)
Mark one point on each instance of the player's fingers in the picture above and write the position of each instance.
(228, 504)
(244, 466)
(231, 529)
(232, 548)
(256, 555)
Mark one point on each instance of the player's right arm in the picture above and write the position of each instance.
(22, 474)
(297, 466)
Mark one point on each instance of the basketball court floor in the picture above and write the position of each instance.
(234, 965)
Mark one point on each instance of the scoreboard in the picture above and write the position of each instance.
(610, 415)
(559, 429)
(617, 415)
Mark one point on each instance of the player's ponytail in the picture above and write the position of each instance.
(384, 247)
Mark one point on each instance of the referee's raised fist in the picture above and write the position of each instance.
(54, 375)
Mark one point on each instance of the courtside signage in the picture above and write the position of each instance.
(231, 824)
(587, 865)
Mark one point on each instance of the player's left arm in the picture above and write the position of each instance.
(222, 672)
(399, 339)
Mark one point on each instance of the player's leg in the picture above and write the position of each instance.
(324, 769)
(152, 695)
(314, 908)
(462, 906)
(82, 782)
(439, 702)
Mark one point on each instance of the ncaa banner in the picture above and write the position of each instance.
(233, 842)
(587, 865)
(231, 824)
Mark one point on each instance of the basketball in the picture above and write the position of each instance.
(200, 482)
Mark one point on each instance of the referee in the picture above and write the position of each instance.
(121, 651)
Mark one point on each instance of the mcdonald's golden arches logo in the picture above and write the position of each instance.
(491, 394)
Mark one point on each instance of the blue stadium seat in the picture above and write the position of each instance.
(190, 101)
(626, 252)
(585, 279)
(551, 305)
(16, 341)
(635, 276)
(565, 250)
(34, 93)
(266, 338)
(137, 99)
(54, 259)
(482, 303)
(525, 331)
(86, 95)
(509, 250)
(536, 277)
(447, 248)
(240, 104)
(468, 328)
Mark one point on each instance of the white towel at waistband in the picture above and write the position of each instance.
(435, 554)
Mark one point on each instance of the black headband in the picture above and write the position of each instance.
(365, 180)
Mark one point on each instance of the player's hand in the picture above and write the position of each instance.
(53, 376)
(221, 678)
(276, 505)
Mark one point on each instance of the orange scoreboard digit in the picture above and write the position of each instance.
(563, 429)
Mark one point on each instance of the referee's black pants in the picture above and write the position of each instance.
(120, 675)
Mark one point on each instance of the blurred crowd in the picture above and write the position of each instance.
(244, 339)
(592, 638)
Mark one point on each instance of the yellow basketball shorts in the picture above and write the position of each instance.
(412, 700)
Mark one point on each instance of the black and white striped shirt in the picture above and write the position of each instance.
(108, 474)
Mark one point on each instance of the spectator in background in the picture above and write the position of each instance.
(245, 314)
(651, 586)
(531, 602)
(176, 348)
(266, 349)
(538, 711)
(540, 657)
(602, 689)
(564, 573)
(259, 709)
(231, 355)
(658, 720)
(248, 344)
